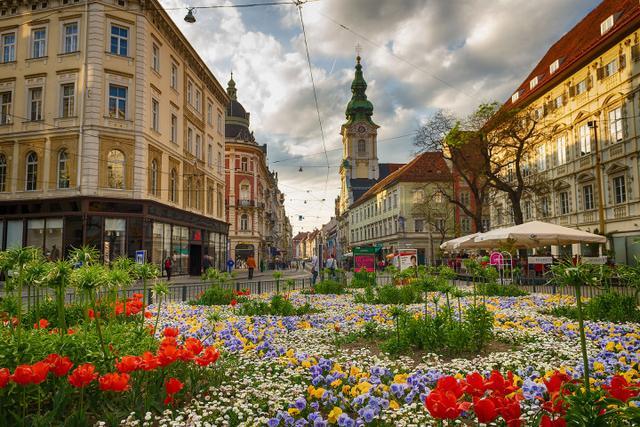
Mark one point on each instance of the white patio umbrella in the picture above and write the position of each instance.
(535, 234)
(455, 244)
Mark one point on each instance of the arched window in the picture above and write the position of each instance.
(188, 192)
(244, 164)
(244, 222)
(173, 186)
(154, 177)
(115, 169)
(31, 181)
(362, 147)
(197, 195)
(3, 173)
(245, 191)
(63, 169)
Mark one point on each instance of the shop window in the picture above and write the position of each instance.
(114, 238)
(14, 234)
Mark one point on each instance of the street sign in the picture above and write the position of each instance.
(141, 256)
(496, 258)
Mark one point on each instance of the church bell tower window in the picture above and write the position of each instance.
(362, 147)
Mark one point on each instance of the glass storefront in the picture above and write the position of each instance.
(46, 234)
(14, 233)
(114, 238)
(180, 249)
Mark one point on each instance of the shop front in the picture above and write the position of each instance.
(116, 228)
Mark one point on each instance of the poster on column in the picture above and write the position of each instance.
(406, 258)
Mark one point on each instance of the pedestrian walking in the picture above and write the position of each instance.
(331, 266)
(314, 269)
(230, 264)
(251, 265)
(168, 267)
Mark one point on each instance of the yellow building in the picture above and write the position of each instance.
(111, 134)
(585, 92)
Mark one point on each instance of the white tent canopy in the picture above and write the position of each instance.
(454, 244)
(532, 234)
(536, 234)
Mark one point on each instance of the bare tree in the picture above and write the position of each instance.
(464, 156)
(436, 212)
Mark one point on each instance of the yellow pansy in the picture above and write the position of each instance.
(334, 414)
(400, 378)
(293, 411)
(598, 366)
(336, 383)
(394, 405)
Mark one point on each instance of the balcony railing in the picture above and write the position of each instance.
(620, 211)
(246, 203)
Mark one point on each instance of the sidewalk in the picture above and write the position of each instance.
(243, 276)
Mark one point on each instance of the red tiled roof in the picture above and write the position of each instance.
(301, 235)
(426, 167)
(580, 44)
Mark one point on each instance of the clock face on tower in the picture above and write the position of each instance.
(361, 129)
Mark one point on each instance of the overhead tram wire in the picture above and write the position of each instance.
(299, 4)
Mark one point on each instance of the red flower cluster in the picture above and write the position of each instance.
(130, 307)
(83, 375)
(489, 398)
(42, 324)
(36, 373)
(242, 293)
(114, 381)
(621, 389)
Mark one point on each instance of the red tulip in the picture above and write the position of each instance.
(60, 366)
(450, 384)
(555, 383)
(148, 315)
(445, 405)
(170, 332)
(5, 376)
(510, 411)
(71, 331)
(42, 324)
(233, 302)
(485, 410)
(499, 385)
(211, 354)
(23, 375)
(83, 375)
(137, 296)
(149, 361)
(621, 389)
(167, 355)
(475, 384)
(185, 354)
(128, 364)
(172, 386)
(194, 345)
(114, 381)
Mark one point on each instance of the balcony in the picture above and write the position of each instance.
(620, 212)
(246, 203)
(616, 150)
(585, 161)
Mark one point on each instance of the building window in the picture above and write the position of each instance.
(584, 137)
(581, 87)
(70, 40)
(564, 203)
(119, 40)
(465, 225)
(198, 146)
(198, 96)
(220, 163)
(587, 193)
(154, 177)
(5, 111)
(220, 123)
(174, 76)
(31, 179)
(610, 69)
(173, 186)
(155, 57)
(244, 164)
(67, 97)
(486, 224)
(210, 200)
(115, 169)
(418, 225)
(189, 92)
(615, 125)
(465, 198)
(395, 199)
(619, 189)
(542, 157)
(558, 102)
(197, 194)
(561, 150)
(155, 115)
(117, 102)
(606, 25)
(9, 47)
(362, 147)
(210, 155)
(3, 173)
(190, 140)
(38, 42)
(63, 169)
(174, 128)
(219, 202)
(528, 210)
(244, 222)
(554, 66)
(533, 82)
(515, 96)
(209, 113)
(188, 192)
(35, 104)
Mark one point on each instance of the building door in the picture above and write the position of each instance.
(195, 259)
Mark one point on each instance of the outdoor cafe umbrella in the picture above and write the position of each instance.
(535, 234)
(454, 244)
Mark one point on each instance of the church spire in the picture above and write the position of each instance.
(231, 88)
(359, 108)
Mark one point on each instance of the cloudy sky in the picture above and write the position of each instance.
(418, 56)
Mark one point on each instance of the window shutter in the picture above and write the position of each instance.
(635, 53)
(623, 61)
(572, 91)
(600, 73)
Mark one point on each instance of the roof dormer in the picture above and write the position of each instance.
(515, 96)
(533, 82)
(554, 66)
(606, 25)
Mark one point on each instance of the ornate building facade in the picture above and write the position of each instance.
(111, 134)
(585, 92)
(255, 206)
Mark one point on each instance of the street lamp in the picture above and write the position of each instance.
(593, 124)
(189, 17)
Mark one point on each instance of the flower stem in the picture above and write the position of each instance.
(583, 340)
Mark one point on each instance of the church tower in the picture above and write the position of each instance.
(359, 169)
